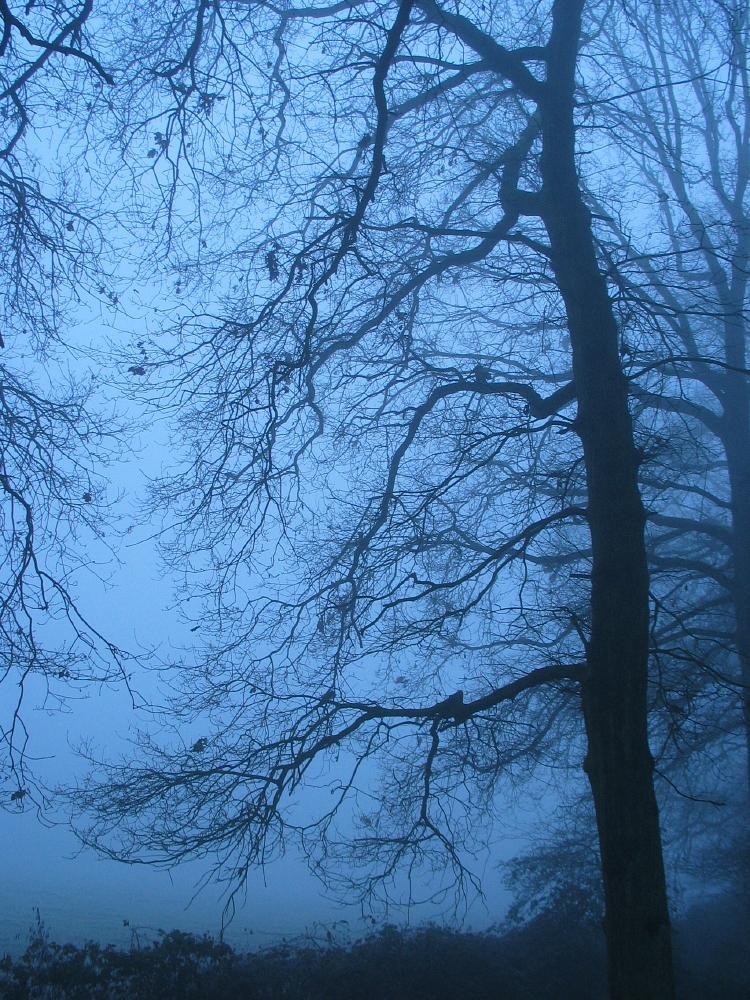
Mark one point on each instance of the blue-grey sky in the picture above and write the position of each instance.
(81, 896)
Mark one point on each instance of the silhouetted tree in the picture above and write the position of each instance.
(379, 416)
(671, 216)
(682, 261)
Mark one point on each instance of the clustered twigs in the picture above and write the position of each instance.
(441, 389)
(54, 441)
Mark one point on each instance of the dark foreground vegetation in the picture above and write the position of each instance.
(550, 957)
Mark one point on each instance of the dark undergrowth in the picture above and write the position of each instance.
(550, 957)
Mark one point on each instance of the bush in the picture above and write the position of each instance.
(550, 956)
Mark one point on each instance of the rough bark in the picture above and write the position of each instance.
(619, 763)
(735, 435)
(736, 438)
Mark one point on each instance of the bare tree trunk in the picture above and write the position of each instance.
(735, 422)
(619, 763)
(738, 465)
(737, 445)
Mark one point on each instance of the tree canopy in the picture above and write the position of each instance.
(458, 306)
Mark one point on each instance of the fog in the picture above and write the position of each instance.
(45, 873)
(79, 896)
(374, 490)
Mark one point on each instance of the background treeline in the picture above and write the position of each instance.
(550, 956)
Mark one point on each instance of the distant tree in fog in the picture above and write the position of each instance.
(683, 258)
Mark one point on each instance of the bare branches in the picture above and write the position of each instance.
(52, 502)
(373, 444)
(382, 494)
(685, 127)
(454, 709)
(55, 441)
(510, 63)
(385, 60)
(54, 45)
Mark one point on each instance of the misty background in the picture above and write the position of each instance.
(375, 468)
(45, 873)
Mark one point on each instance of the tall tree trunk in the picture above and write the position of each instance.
(619, 764)
(736, 438)
(737, 444)
(735, 421)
